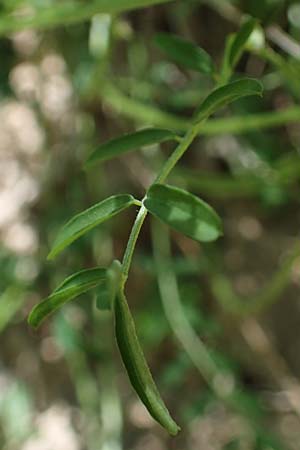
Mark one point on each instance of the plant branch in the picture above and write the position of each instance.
(144, 113)
(179, 151)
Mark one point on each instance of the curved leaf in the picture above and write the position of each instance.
(224, 95)
(88, 219)
(71, 287)
(184, 212)
(240, 40)
(128, 143)
(185, 53)
(136, 366)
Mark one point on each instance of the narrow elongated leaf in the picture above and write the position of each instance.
(240, 40)
(107, 294)
(184, 212)
(185, 53)
(88, 219)
(224, 95)
(136, 366)
(128, 143)
(71, 287)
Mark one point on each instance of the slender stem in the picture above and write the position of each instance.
(140, 218)
(144, 113)
(178, 153)
(181, 148)
(224, 383)
(169, 293)
(67, 13)
(224, 293)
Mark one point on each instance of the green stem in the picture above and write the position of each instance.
(224, 293)
(67, 13)
(223, 383)
(140, 218)
(179, 151)
(145, 113)
(172, 305)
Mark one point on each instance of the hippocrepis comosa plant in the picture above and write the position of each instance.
(176, 207)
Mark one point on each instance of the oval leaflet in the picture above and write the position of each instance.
(184, 212)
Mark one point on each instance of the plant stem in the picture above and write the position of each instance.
(223, 383)
(224, 293)
(169, 293)
(145, 113)
(181, 148)
(135, 231)
(70, 12)
(178, 153)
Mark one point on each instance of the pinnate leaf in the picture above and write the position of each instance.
(70, 288)
(137, 367)
(88, 219)
(226, 94)
(128, 143)
(185, 53)
(184, 212)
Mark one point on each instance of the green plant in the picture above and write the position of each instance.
(176, 207)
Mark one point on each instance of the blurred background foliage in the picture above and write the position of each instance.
(222, 335)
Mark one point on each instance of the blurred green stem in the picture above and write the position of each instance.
(110, 404)
(66, 13)
(173, 309)
(224, 384)
(288, 70)
(144, 113)
(224, 293)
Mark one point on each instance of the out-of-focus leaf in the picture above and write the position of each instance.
(185, 53)
(11, 301)
(67, 12)
(16, 401)
(88, 219)
(70, 288)
(128, 143)
(136, 366)
(184, 212)
(226, 94)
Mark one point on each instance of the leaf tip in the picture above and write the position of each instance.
(50, 256)
(32, 320)
(175, 430)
